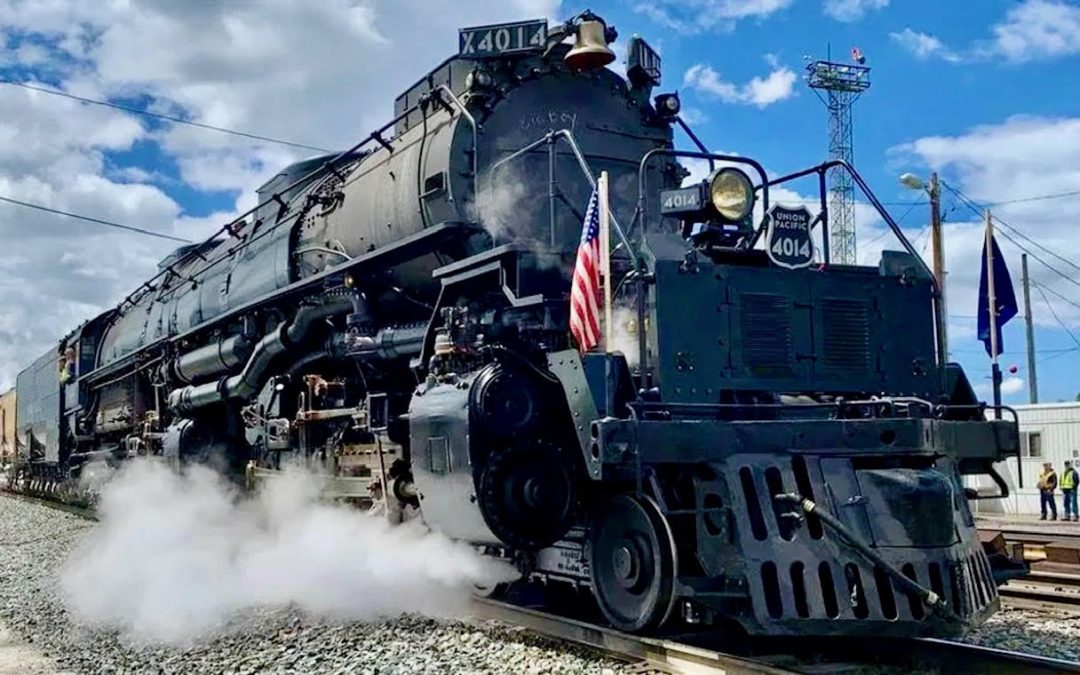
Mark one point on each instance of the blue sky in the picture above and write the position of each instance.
(986, 93)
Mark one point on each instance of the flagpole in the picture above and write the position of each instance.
(605, 255)
(995, 367)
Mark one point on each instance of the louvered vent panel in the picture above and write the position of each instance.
(847, 335)
(765, 328)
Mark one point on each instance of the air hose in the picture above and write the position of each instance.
(928, 597)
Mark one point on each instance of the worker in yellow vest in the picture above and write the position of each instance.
(1048, 482)
(1068, 488)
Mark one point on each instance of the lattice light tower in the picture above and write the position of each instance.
(842, 84)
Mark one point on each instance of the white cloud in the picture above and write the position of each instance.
(776, 86)
(1009, 385)
(694, 116)
(1031, 30)
(323, 74)
(759, 91)
(852, 10)
(1038, 29)
(696, 16)
(923, 45)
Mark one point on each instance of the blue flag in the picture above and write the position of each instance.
(1004, 297)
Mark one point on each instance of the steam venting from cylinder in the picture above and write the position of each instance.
(176, 556)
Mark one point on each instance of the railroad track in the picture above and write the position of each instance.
(694, 655)
(1044, 590)
(787, 657)
(1032, 537)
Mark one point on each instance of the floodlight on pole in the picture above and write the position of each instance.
(838, 85)
(912, 181)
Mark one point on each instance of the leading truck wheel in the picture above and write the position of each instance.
(632, 563)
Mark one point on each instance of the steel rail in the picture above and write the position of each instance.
(1031, 536)
(946, 656)
(963, 657)
(666, 655)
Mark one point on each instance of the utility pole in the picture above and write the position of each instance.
(1033, 383)
(939, 256)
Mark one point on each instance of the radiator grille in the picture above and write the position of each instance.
(765, 329)
(846, 335)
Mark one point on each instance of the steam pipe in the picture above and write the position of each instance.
(248, 381)
(212, 359)
(388, 343)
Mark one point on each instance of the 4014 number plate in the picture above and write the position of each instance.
(789, 242)
(507, 38)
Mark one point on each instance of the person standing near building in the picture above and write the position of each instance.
(1068, 489)
(1047, 484)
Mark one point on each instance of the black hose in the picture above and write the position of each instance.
(928, 597)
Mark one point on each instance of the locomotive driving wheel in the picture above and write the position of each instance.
(632, 563)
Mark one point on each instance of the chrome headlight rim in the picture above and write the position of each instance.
(724, 207)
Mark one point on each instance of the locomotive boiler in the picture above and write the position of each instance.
(773, 442)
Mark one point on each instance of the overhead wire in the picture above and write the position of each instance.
(160, 116)
(99, 221)
(979, 209)
(1050, 290)
(1056, 317)
(898, 221)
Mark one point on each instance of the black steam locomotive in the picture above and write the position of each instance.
(769, 439)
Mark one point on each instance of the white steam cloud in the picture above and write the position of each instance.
(178, 556)
(624, 337)
(499, 206)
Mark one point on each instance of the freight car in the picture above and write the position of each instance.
(7, 428)
(779, 445)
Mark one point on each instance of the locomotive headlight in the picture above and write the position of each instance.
(731, 194)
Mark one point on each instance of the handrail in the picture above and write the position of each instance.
(475, 134)
(230, 227)
(835, 163)
(697, 141)
(550, 137)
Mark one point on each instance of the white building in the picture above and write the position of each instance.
(1049, 432)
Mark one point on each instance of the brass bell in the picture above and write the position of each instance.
(590, 47)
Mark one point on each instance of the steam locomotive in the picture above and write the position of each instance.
(768, 440)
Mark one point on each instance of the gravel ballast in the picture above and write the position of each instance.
(35, 541)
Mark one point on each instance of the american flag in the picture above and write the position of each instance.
(585, 287)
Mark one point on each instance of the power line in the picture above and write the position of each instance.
(975, 208)
(1056, 317)
(1006, 202)
(168, 118)
(899, 220)
(1014, 353)
(1047, 288)
(1058, 354)
(1054, 195)
(99, 221)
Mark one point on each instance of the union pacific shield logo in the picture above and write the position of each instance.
(788, 241)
